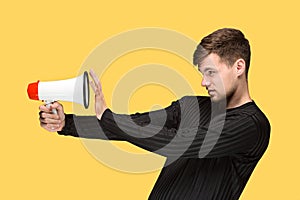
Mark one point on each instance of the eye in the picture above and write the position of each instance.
(211, 72)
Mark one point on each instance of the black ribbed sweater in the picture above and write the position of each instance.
(210, 152)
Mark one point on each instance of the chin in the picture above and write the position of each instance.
(214, 99)
(217, 99)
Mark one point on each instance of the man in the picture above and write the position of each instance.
(212, 144)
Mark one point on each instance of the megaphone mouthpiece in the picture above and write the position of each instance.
(32, 91)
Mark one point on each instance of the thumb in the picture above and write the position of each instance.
(56, 105)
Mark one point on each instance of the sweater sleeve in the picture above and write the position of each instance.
(86, 127)
(107, 128)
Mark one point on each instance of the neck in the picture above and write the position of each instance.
(239, 97)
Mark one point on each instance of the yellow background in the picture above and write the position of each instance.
(45, 40)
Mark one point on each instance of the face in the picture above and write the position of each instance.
(219, 79)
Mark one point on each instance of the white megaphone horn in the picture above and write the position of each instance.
(71, 90)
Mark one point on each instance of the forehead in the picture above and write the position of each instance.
(209, 62)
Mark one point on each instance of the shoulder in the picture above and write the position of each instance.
(250, 111)
(260, 124)
(258, 117)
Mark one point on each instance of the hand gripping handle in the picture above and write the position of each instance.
(48, 104)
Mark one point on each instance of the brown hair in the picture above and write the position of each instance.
(229, 44)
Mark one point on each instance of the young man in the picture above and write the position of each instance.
(212, 144)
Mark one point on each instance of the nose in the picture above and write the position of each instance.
(205, 82)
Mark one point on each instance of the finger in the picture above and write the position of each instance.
(50, 128)
(50, 121)
(94, 76)
(95, 79)
(50, 116)
(43, 108)
(56, 105)
(53, 127)
(93, 86)
(46, 108)
(43, 125)
(40, 114)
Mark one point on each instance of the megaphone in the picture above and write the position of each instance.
(71, 90)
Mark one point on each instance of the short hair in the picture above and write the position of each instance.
(228, 43)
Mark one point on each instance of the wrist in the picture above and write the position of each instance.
(99, 116)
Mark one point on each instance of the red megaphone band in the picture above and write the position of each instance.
(33, 91)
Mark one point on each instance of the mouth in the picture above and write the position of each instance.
(211, 92)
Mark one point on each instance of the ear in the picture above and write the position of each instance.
(240, 67)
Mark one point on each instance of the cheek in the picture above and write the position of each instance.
(220, 82)
(228, 80)
(224, 83)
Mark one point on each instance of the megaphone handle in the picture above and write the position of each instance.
(48, 104)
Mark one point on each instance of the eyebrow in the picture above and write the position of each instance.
(207, 68)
